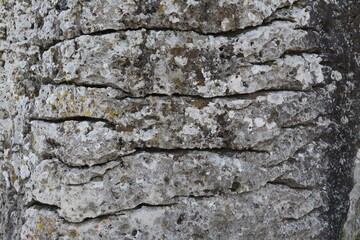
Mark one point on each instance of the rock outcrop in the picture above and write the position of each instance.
(178, 119)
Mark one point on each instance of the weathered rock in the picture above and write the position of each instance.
(351, 229)
(167, 62)
(150, 122)
(45, 22)
(171, 119)
(256, 215)
(165, 177)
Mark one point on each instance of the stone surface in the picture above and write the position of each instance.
(351, 228)
(45, 22)
(186, 63)
(171, 119)
(148, 122)
(229, 217)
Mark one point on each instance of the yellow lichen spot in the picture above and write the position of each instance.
(177, 82)
(200, 82)
(73, 233)
(77, 130)
(123, 179)
(14, 178)
(87, 112)
(17, 98)
(203, 177)
(53, 107)
(127, 128)
(40, 226)
(161, 9)
(112, 113)
(64, 114)
(44, 181)
(82, 99)
(17, 78)
(154, 139)
(199, 103)
(105, 220)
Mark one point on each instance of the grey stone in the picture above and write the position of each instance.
(255, 215)
(171, 119)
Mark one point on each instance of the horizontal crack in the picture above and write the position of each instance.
(124, 211)
(290, 183)
(307, 28)
(197, 197)
(300, 52)
(302, 124)
(40, 205)
(280, 163)
(43, 206)
(222, 150)
(229, 33)
(108, 124)
(240, 96)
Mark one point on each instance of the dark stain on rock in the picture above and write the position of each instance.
(339, 43)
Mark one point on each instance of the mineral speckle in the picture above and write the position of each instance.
(171, 119)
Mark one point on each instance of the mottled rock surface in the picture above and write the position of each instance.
(171, 119)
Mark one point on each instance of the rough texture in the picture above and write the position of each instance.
(229, 217)
(352, 225)
(171, 119)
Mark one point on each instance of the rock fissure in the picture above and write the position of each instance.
(177, 119)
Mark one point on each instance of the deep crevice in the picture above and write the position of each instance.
(300, 52)
(196, 197)
(124, 211)
(108, 123)
(220, 150)
(240, 96)
(42, 206)
(290, 183)
(230, 34)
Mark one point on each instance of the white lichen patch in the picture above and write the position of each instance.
(162, 119)
(121, 60)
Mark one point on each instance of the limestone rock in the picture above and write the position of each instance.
(45, 22)
(186, 63)
(256, 215)
(169, 119)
